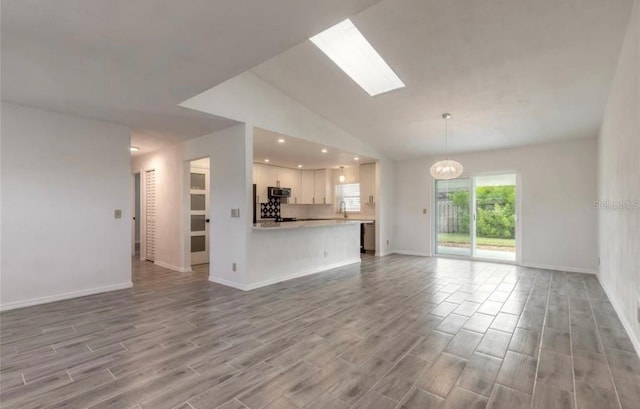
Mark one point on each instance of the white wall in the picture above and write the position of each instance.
(247, 98)
(619, 176)
(558, 188)
(278, 255)
(230, 177)
(62, 179)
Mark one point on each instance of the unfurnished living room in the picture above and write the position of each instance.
(366, 204)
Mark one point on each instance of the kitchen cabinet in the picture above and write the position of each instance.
(290, 178)
(265, 176)
(307, 187)
(368, 183)
(262, 176)
(323, 193)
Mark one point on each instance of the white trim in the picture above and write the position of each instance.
(320, 269)
(627, 326)
(265, 283)
(228, 283)
(529, 265)
(559, 268)
(64, 296)
(172, 267)
(411, 253)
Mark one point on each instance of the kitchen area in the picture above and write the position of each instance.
(299, 184)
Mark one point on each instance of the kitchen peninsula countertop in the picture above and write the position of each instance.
(272, 225)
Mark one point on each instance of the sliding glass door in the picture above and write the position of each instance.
(453, 217)
(476, 217)
(495, 217)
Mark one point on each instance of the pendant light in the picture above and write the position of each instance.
(446, 169)
(342, 178)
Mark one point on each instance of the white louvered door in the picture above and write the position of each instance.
(150, 215)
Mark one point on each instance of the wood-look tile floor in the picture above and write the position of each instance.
(393, 332)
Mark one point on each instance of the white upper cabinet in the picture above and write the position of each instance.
(322, 189)
(290, 178)
(368, 183)
(307, 187)
(260, 178)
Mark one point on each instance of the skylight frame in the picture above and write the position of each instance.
(345, 45)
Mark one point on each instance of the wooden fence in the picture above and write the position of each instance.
(449, 217)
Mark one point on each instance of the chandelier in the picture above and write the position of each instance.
(446, 169)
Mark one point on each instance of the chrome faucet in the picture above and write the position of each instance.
(343, 208)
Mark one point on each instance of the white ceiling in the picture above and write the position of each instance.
(294, 152)
(133, 62)
(511, 72)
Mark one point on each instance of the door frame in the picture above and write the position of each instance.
(186, 213)
(133, 212)
(518, 230)
(143, 209)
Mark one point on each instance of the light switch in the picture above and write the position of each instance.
(235, 212)
(117, 214)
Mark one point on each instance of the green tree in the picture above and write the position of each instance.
(460, 200)
(496, 211)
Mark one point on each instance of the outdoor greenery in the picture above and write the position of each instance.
(495, 211)
(461, 238)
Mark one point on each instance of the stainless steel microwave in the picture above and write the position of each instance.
(279, 192)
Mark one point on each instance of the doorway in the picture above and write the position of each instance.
(476, 217)
(135, 223)
(199, 211)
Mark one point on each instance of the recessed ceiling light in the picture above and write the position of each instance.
(324, 150)
(348, 48)
(134, 148)
(266, 160)
(281, 140)
(299, 166)
(356, 158)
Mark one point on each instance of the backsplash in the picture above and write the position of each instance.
(270, 209)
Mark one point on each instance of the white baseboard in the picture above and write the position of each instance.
(627, 326)
(172, 267)
(320, 269)
(412, 253)
(265, 283)
(558, 268)
(64, 296)
(228, 283)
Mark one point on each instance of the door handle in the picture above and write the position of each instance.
(207, 220)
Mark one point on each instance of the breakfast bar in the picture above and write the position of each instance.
(318, 245)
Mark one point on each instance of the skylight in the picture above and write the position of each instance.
(348, 48)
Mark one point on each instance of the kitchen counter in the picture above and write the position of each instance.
(271, 225)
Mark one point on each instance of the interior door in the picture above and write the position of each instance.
(199, 215)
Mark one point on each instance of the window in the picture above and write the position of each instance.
(349, 193)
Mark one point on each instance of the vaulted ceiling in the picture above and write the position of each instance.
(512, 72)
(133, 62)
